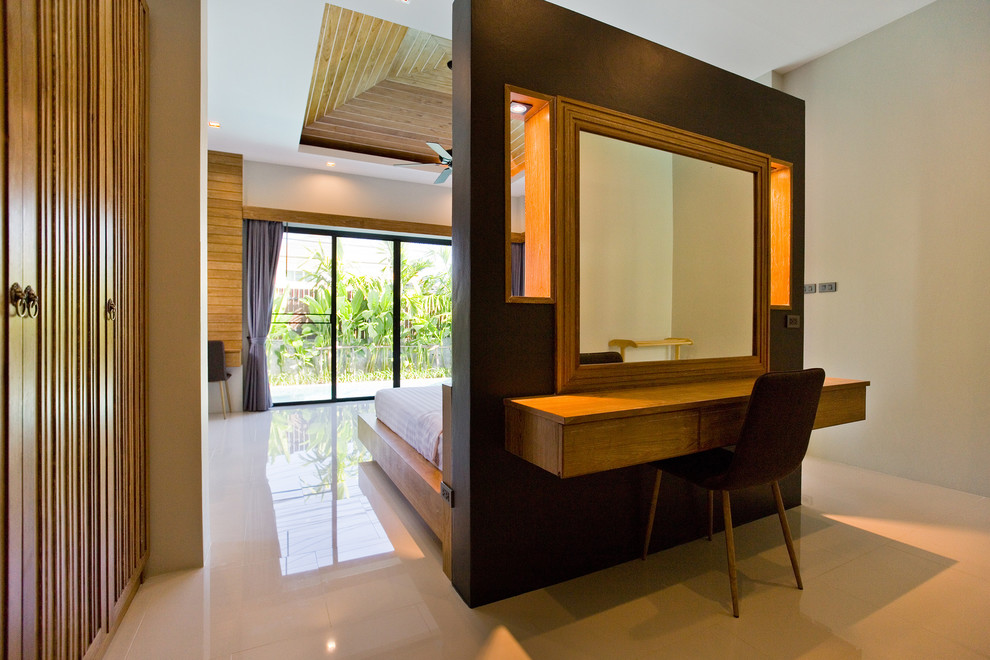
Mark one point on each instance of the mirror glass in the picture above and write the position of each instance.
(666, 253)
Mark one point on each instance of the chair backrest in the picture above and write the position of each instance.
(216, 364)
(777, 429)
(604, 357)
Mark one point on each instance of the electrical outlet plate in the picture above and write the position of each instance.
(447, 494)
(810, 288)
(826, 287)
(793, 321)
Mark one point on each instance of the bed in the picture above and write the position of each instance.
(423, 415)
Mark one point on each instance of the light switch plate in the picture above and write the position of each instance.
(810, 288)
(826, 287)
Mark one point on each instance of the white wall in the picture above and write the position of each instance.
(712, 301)
(625, 248)
(317, 191)
(176, 286)
(898, 213)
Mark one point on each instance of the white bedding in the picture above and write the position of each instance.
(414, 413)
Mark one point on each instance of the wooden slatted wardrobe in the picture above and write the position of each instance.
(74, 337)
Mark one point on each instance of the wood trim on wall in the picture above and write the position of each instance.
(344, 221)
(225, 247)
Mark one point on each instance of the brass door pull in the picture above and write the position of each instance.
(25, 301)
(16, 298)
(31, 305)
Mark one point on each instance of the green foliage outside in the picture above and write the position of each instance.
(322, 439)
(301, 335)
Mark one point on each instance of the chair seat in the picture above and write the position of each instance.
(704, 469)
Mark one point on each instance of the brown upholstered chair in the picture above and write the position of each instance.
(772, 444)
(216, 372)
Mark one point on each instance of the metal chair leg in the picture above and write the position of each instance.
(730, 551)
(653, 513)
(787, 533)
(224, 396)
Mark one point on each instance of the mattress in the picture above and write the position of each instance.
(415, 414)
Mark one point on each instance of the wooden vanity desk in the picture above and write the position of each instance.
(574, 434)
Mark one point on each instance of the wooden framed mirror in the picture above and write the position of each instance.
(664, 253)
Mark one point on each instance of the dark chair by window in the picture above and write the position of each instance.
(604, 357)
(216, 372)
(772, 444)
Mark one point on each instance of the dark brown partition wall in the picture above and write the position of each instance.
(515, 526)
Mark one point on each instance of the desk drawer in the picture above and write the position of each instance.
(605, 445)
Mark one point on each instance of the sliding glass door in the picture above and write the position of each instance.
(300, 342)
(335, 334)
(425, 306)
(365, 311)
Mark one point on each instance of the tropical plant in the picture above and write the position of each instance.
(302, 333)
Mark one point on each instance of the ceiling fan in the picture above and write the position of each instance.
(446, 159)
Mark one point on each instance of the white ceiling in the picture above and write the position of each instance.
(261, 53)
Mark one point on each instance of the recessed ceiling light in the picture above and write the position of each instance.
(331, 164)
(519, 108)
(214, 124)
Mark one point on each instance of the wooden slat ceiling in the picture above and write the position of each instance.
(378, 88)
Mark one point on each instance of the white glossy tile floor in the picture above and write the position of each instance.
(302, 568)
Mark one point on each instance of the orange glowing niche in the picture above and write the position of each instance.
(529, 120)
(780, 234)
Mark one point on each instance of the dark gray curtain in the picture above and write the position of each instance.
(518, 269)
(262, 241)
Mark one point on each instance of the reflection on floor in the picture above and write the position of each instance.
(303, 565)
(321, 516)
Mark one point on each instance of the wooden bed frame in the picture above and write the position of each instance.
(417, 479)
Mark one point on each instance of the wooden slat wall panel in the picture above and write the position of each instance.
(225, 251)
(91, 382)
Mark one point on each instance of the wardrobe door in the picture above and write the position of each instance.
(126, 298)
(71, 612)
(20, 329)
